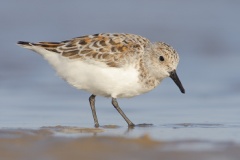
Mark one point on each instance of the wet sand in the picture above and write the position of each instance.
(63, 143)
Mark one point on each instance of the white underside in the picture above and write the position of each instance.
(96, 78)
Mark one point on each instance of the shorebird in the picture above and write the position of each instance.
(115, 65)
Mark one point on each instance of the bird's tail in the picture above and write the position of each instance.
(50, 46)
(25, 44)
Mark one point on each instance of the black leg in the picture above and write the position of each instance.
(92, 104)
(115, 104)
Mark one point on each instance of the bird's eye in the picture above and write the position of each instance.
(161, 58)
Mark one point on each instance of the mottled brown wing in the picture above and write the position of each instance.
(112, 49)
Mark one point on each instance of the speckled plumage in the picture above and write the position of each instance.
(112, 49)
(111, 65)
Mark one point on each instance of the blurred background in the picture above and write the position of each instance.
(204, 33)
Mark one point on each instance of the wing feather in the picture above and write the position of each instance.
(112, 49)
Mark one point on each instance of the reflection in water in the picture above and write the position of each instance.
(193, 125)
(199, 125)
(73, 131)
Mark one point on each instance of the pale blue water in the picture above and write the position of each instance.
(205, 33)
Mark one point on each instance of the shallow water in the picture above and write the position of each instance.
(33, 97)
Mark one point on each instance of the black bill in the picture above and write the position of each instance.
(175, 78)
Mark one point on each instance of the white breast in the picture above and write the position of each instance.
(97, 78)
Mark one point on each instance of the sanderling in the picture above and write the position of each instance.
(110, 65)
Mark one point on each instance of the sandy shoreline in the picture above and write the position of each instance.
(24, 144)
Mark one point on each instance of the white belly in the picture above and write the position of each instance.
(97, 78)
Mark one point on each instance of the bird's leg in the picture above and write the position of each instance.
(115, 104)
(92, 104)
